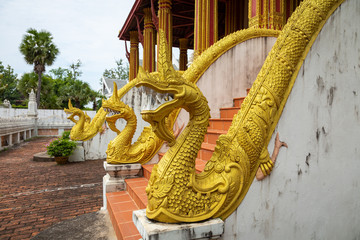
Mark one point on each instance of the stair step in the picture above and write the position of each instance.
(228, 112)
(238, 101)
(148, 168)
(206, 151)
(200, 165)
(120, 207)
(212, 135)
(136, 189)
(220, 123)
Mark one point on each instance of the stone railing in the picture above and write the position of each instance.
(52, 122)
(15, 130)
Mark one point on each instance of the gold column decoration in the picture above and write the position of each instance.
(134, 55)
(149, 42)
(183, 53)
(277, 13)
(206, 25)
(256, 18)
(267, 14)
(165, 22)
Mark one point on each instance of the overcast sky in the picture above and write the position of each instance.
(82, 29)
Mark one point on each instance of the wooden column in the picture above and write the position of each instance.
(134, 55)
(165, 22)
(231, 16)
(236, 16)
(149, 42)
(183, 54)
(290, 6)
(206, 25)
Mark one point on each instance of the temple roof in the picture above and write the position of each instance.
(183, 19)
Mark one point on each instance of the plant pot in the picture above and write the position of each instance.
(61, 160)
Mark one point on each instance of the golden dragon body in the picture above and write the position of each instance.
(120, 150)
(175, 192)
(85, 128)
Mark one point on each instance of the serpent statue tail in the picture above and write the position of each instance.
(175, 192)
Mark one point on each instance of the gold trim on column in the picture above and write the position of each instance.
(134, 55)
(149, 42)
(165, 22)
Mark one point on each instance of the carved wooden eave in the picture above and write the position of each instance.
(183, 19)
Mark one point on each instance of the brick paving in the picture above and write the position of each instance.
(36, 195)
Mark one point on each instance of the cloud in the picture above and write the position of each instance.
(85, 30)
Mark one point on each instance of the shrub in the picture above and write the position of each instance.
(62, 147)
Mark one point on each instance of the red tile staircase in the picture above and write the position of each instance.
(122, 204)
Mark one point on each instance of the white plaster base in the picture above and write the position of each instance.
(111, 185)
(123, 171)
(79, 153)
(114, 180)
(151, 230)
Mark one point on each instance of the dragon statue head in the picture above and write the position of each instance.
(77, 132)
(179, 93)
(118, 109)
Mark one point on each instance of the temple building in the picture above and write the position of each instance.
(292, 64)
(195, 25)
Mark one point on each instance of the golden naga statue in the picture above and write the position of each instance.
(84, 128)
(175, 192)
(120, 149)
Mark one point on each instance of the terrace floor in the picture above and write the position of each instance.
(37, 195)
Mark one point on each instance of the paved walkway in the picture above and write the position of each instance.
(36, 195)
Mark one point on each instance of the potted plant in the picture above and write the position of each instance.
(61, 148)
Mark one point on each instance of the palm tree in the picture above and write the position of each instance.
(38, 49)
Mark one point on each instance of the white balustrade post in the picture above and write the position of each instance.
(32, 110)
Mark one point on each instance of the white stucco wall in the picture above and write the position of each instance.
(232, 73)
(46, 117)
(314, 189)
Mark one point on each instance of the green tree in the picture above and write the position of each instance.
(75, 69)
(67, 85)
(8, 84)
(48, 97)
(39, 50)
(78, 91)
(59, 73)
(121, 71)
